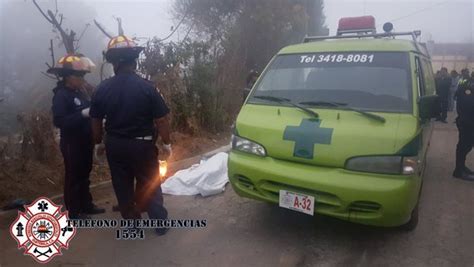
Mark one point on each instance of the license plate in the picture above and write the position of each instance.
(297, 202)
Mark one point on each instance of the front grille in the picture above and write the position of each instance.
(365, 206)
(323, 200)
(245, 182)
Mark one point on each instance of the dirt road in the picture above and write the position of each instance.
(244, 232)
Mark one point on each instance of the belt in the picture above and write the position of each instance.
(146, 138)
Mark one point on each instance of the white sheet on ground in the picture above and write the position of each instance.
(207, 178)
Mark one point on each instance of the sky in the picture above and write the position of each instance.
(440, 20)
(139, 18)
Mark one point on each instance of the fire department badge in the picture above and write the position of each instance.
(42, 230)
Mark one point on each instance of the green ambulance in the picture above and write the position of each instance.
(340, 126)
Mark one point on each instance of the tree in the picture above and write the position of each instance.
(244, 35)
(68, 38)
(262, 27)
(24, 50)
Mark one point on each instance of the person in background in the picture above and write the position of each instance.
(437, 76)
(71, 115)
(443, 84)
(252, 78)
(453, 89)
(465, 124)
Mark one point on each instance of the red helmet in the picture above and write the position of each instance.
(122, 48)
(72, 64)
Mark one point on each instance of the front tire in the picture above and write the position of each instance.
(413, 222)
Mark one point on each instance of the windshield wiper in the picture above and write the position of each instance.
(285, 100)
(343, 107)
(323, 103)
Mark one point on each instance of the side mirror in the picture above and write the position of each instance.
(429, 107)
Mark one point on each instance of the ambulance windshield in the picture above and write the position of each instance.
(371, 81)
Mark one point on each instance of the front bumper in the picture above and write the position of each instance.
(372, 199)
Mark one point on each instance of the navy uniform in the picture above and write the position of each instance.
(129, 105)
(465, 124)
(443, 84)
(70, 114)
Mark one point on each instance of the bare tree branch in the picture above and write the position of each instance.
(187, 33)
(51, 49)
(101, 28)
(176, 28)
(50, 76)
(68, 39)
(120, 29)
(42, 12)
(82, 34)
(56, 5)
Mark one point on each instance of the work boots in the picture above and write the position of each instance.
(93, 209)
(465, 174)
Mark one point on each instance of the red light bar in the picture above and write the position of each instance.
(356, 24)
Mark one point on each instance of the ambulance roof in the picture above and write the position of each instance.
(349, 45)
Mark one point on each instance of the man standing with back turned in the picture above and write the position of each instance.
(135, 114)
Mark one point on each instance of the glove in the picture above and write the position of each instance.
(168, 150)
(85, 112)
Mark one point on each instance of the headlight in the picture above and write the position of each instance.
(410, 165)
(384, 164)
(247, 146)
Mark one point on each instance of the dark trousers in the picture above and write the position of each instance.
(464, 146)
(77, 153)
(444, 104)
(129, 159)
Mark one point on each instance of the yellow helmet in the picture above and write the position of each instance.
(72, 64)
(122, 48)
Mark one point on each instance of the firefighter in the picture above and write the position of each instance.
(465, 124)
(135, 115)
(71, 115)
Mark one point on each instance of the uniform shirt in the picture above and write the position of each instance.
(67, 116)
(465, 102)
(129, 104)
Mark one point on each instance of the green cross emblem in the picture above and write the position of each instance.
(306, 136)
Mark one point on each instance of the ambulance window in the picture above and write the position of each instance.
(371, 81)
(428, 77)
(420, 77)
